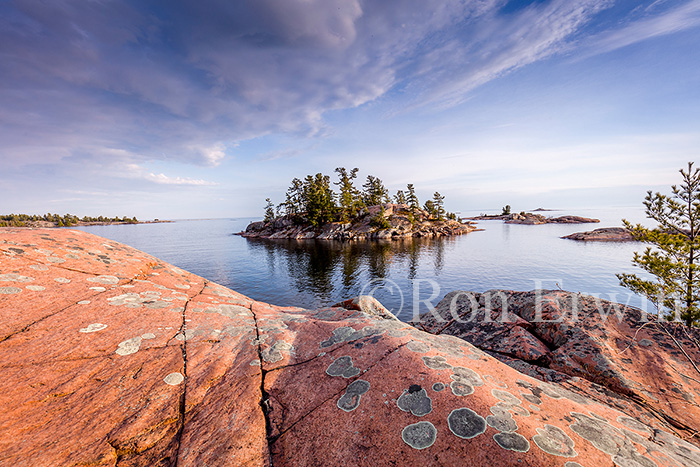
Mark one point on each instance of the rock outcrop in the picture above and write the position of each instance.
(389, 221)
(606, 234)
(529, 218)
(599, 349)
(113, 357)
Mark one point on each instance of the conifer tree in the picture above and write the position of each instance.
(400, 197)
(412, 199)
(349, 198)
(429, 206)
(675, 253)
(318, 199)
(374, 191)
(438, 203)
(269, 211)
(294, 197)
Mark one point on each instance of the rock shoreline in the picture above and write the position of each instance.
(111, 356)
(397, 220)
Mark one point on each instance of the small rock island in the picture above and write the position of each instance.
(312, 210)
(529, 218)
(606, 234)
(385, 221)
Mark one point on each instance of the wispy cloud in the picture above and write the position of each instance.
(127, 86)
(163, 179)
(675, 19)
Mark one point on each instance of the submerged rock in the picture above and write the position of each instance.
(151, 365)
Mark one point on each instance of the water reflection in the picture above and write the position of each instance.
(334, 270)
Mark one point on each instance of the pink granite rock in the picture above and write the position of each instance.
(113, 357)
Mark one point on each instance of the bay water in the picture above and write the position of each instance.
(407, 276)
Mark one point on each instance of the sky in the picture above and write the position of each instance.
(184, 109)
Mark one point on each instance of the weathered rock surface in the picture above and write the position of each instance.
(113, 357)
(398, 225)
(606, 234)
(599, 349)
(529, 218)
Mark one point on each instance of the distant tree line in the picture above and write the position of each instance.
(66, 220)
(313, 200)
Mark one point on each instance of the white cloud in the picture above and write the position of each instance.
(677, 19)
(213, 155)
(163, 179)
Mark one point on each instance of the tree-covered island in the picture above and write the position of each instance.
(313, 209)
(66, 220)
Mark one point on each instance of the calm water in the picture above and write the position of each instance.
(405, 275)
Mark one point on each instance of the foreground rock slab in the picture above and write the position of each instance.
(113, 357)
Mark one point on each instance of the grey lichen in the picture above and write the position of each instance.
(351, 399)
(555, 441)
(344, 367)
(419, 435)
(466, 423)
(512, 442)
(416, 401)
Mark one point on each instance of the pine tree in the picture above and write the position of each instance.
(319, 199)
(294, 198)
(412, 199)
(400, 197)
(349, 198)
(674, 258)
(375, 192)
(269, 211)
(430, 208)
(438, 203)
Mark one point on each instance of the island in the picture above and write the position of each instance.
(605, 234)
(385, 221)
(313, 210)
(67, 220)
(529, 218)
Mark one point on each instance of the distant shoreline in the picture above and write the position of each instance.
(54, 225)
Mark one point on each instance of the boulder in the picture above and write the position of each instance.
(113, 357)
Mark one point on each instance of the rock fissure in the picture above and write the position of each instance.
(29, 325)
(264, 396)
(183, 395)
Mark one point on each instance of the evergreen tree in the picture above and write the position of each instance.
(438, 203)
(318, 197)
(412, 199)
(506, 210)
(674, 259)
(429, 206)
(400, 197)
(269, 211)
(294, 202)
(349, 198)
(375, 192)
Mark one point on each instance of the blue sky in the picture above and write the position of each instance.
(186, 109)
